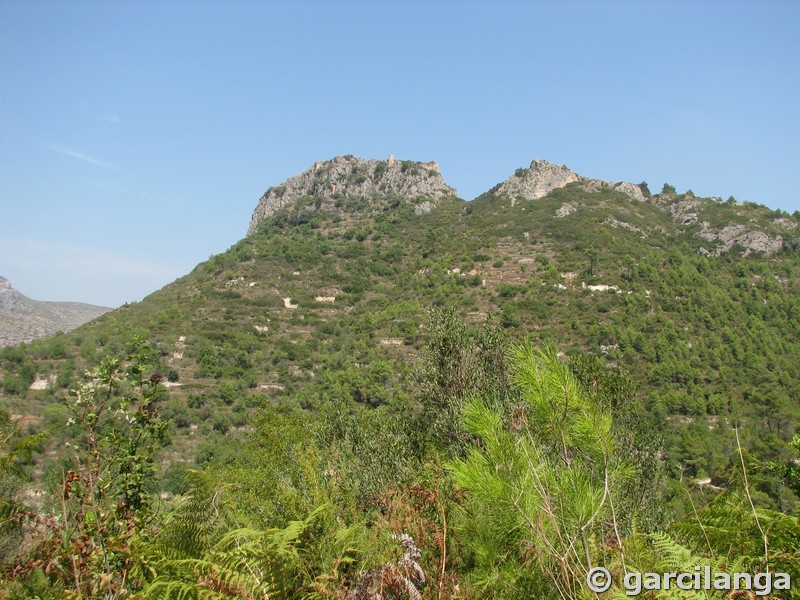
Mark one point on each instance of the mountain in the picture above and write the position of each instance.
(328, 295)
(23, 319)
(349, 370)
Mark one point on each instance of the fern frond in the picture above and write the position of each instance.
(239, 563)
(671, 554)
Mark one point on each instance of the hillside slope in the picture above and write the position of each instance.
(696, 298)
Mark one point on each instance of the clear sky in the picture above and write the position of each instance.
(137, 137)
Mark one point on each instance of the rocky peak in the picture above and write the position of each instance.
(353, 177)
(9, 297)
(536, 181)
(543, 177)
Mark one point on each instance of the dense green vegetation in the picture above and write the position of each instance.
(539, 472)
(309, 410)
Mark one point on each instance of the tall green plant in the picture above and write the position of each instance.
(104, 500)
(541, 487)
(458, 364)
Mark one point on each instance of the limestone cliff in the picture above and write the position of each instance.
(353, 177)
(543, 177)
(536, 182)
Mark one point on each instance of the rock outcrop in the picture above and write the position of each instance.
(785, 223)
(536, 182)
(633, 191)
(740, 235)
(617, 224)
(543, 177)
(565, 210)
(684, 212)
(689, 211)
(352, 177)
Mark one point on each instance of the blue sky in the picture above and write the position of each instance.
(137, 137)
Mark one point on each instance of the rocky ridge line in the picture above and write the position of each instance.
(543, 177)
(346, 177)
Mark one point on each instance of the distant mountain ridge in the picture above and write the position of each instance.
(23, 319)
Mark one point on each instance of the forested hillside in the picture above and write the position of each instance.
(385, 389)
